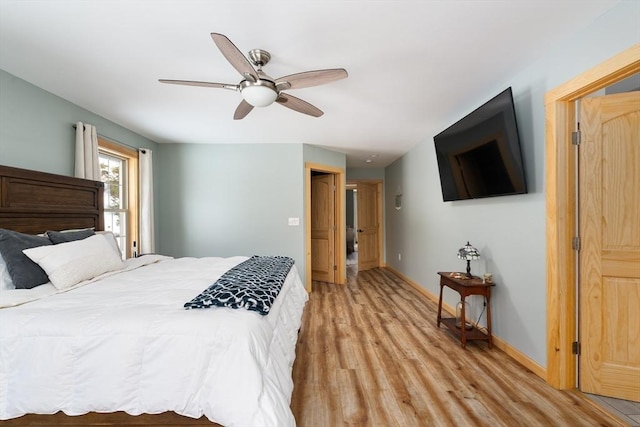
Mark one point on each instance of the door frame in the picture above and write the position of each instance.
(561, 212)
(341, 221)
(379, 212)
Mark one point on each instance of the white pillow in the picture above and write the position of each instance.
(6, 283)
(113, 241)
(111, 238)
(68, 264)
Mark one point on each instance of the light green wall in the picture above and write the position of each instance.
(508, 231)
(231, 199)
(313, 154)
(36, 128)
(235, 199)
(365, 173)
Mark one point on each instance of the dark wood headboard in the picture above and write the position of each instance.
(33, 202)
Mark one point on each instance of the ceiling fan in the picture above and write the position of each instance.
(260, 90)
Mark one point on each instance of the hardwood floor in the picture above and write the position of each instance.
(369, 354)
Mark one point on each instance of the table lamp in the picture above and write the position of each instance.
(468, 253)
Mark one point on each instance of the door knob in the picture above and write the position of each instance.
(359, 231)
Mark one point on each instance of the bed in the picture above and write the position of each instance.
(122, 340)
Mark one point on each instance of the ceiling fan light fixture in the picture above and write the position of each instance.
(259, 89)
(260, 93)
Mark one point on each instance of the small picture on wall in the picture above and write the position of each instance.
(398, 201)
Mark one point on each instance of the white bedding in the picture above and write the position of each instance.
(125, 343)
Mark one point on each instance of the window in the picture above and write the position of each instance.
(119, 172)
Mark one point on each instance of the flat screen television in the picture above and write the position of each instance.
(480, 156)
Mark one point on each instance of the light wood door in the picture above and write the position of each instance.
(610, 250)
(323, 228)
(368, 226)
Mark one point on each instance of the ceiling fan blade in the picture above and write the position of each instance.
(243, 109)
(298, 105)
(312, 78)
(234, 56)
(204, 84)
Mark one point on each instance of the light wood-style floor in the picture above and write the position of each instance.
(369, 354)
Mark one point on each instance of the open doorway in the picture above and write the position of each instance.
(351, 208)
(364, 223)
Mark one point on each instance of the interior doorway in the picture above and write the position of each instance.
(324, 224)
(323, 227)
(608, 195)
(562, 206)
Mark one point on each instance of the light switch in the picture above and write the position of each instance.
(294, 221)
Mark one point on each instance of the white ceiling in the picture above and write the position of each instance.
(412, 64)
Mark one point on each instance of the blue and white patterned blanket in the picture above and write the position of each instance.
(253, 284)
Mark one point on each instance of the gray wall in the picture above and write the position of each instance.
(508, 231)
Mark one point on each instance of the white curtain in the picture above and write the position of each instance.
(87, 152)
(147, 238)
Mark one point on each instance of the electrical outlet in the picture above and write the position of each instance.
(399, 257)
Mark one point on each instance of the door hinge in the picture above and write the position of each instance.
(575, 243)
(575, 348)
(335, 268)
(575, 137)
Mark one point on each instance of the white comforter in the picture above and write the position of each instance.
(125, 343)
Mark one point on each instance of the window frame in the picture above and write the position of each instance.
(132, 191)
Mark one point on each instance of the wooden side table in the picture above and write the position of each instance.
(466, 287)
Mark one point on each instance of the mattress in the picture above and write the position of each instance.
(125, 342)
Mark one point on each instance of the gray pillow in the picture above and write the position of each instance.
(69, 236)
(25, 274)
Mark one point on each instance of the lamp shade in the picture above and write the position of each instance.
(259, 96)
(468, 253)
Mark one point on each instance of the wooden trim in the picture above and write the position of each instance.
(513, 352)
(340, 253)
(380, 202)
(133, 226)
(116, 148)
(133, 174)
(560, 209)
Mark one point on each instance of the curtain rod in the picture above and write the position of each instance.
(116, 141)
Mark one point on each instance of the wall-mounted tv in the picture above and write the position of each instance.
(480, 156)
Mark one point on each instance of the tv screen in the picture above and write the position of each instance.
(479, 155)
